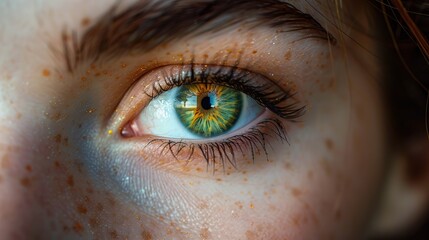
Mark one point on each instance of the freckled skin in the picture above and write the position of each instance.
(58, 173)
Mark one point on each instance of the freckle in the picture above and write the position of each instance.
(295, 221)
(81, 209)
(5, 162)
(46, 72)
(26, 182)
(310, 174)
(114, 234)
(77, 227)
(57, 164)
(204, 233)
(250, 235)
(146, 235)
(28, 168)
(123, 65)
(18, 116)
(83, 79)
(219, 179)
(329, 144)
(288, 55)
(203, 205)
(70, 181)
(66, 141)
(94, 222)
(57, 138)
(85, 22)
(245, 179)
(326, 167)
(296, 192)
(251, 205)
(239, 204)
(288, 166)
(255, 52)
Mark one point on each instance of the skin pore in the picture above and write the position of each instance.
(66, 171)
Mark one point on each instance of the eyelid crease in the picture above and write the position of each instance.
(144, 26)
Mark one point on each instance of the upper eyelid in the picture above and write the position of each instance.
(132, 103)
(144, 26)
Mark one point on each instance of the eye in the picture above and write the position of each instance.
(217, 110)
(198, 111)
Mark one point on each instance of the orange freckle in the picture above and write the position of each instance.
(57, 164)
(296, 192)
(83, 79)
(70, 181)
(288, 55)
(329, 144)
(114, 234)
(254, 52)
(28, 168)
(250, 235)
(81, 209)
(5, 162)
(57, 138)
(252, 206)
(310, 174)
(25, 182)
(218, 179)
(338, 215)
(94, 222)
(204, 233)
(85, 22)
(77, 227)
(146, 235)
(46, 72)
(287, 166)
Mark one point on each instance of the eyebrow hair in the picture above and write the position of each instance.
(147, 24)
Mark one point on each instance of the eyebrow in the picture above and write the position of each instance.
(147, 24)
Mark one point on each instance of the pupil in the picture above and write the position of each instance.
(206, 103)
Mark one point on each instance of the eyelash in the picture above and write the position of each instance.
(270, 96)
(255, 140)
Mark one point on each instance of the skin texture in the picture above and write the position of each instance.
(65, 171)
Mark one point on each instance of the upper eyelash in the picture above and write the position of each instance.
(265, 94)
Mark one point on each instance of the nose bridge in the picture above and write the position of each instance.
(16, 187)
(19, 169)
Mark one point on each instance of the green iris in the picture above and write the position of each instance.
(208, 110)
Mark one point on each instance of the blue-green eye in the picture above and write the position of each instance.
(199, 111)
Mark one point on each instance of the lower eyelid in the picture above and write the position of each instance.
(231, 152)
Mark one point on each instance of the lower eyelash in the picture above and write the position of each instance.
(253, 142)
